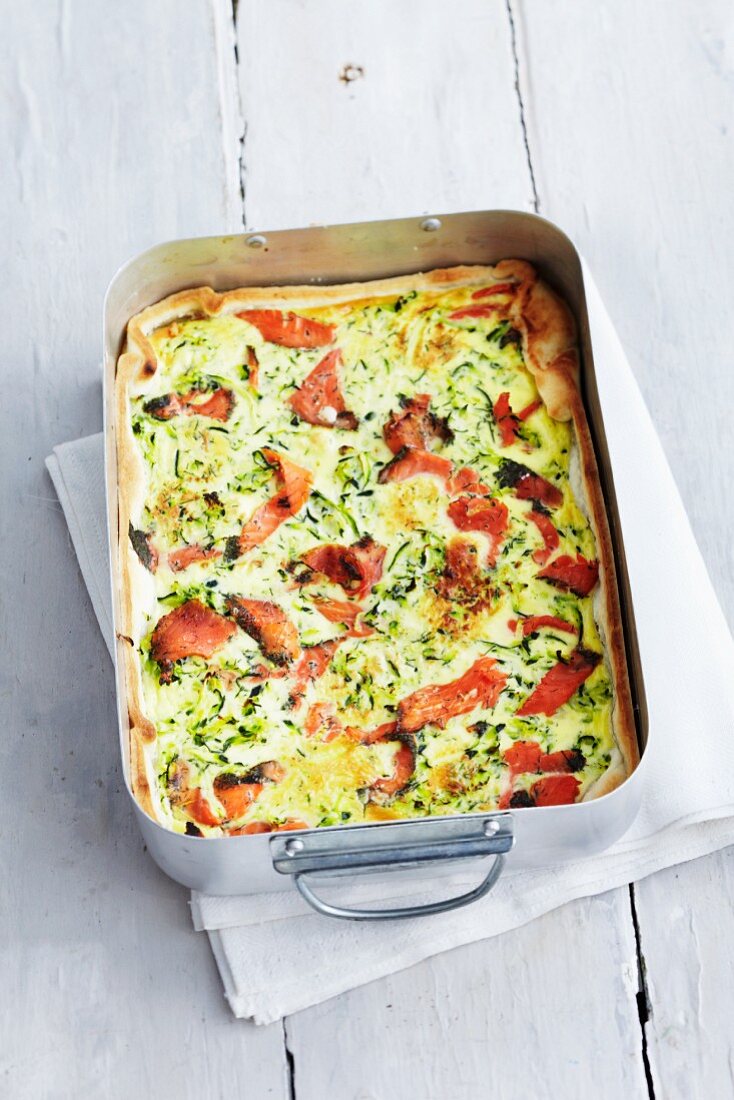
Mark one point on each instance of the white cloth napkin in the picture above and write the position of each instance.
(275, 956)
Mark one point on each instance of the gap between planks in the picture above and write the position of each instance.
(242, 135)
(520, 94)
(644, 1008)
(289, 1056)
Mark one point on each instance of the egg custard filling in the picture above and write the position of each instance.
(365, 568)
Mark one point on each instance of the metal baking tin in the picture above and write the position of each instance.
(336, 254)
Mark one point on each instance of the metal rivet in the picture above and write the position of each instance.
(258, 241)
(294, 846)
(430, 225)
(491, 827)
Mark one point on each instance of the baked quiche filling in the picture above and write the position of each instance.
(368, 573)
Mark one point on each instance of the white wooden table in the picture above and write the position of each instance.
(122, 125)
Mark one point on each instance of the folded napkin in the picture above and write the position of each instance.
(261, 943)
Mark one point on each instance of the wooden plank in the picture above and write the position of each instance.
(357, 111)
(435, 126)
(114, 138)
(540, 1012)
(689, 968)
(635, 160)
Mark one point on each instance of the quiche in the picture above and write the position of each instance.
(365, 571)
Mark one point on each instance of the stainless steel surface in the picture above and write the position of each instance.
(336, 254)
(405, 843)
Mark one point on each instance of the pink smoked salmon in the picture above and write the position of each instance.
(289, 329)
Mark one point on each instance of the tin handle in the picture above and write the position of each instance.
(350, 851)
(400, 912)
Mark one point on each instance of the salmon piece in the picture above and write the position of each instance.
(537, 488)
(403, 768)
(515, 800)
(364, 562)
(191, 630)
(416, 426)
(523, 756)
(316, 716)
(253, 368)
(266, 827)
(481, 685)
(258, 674)
(528, 485)
(251, 829)
(361, 630)
(529, 409)
(260, 526)
(411, 462)
(550, 536)
(489, 291)
(294, 489)
(191, 799)
(555, 790)
(357, 568)
(179, 790)
(319, 399)
(403, 761)
(552, 790)
(165, 407)
(340, 611)
(577, 575)
(333, 561)
(312, 664)
(535, 622)
(236, 795)
(461, 572)
(200, 810)
(269, 626)
(567, 760)
(463, 580)
(560, 683)
(217, 405)
(289, 329)
(472, 311)
(294, 480)
(238, 792)
(185, 556)
(467, 480)
(322, 716)
(509, 422)
(368, 737)
(142, 543)
(485, 514)
(506, 422)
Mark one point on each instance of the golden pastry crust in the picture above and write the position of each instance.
(607, 609)
(549, 345)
